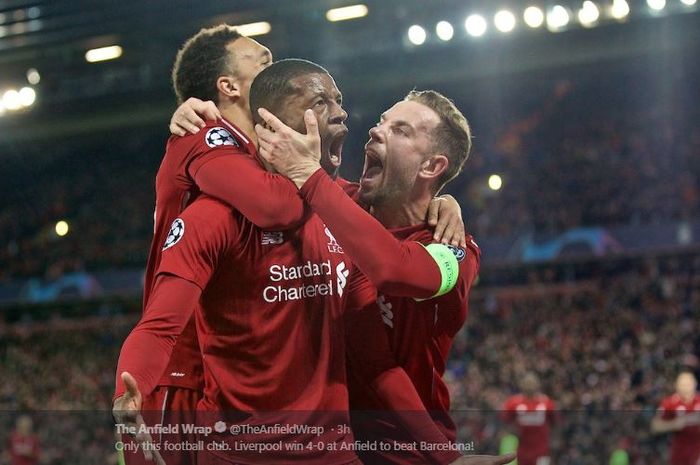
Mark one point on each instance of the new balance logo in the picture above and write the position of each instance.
(333, 246)
(272, 238)
(386, 311)
(342, 277)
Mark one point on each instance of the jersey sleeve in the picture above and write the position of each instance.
(197, 239)
(230, 174)
(374, 363)
(398, 268)
(665, 410)
(146, 351)
(508, 411)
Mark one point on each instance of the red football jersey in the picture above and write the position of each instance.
(23, 450)
(420, 334)
(534, 416)
(219, 160)
(270, 330)
(685, 445)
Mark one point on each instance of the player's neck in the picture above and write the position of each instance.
(401, 214)
(241, 118)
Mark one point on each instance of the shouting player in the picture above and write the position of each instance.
(276, 345)
(679, 414)
(534, 414)
(419, 145)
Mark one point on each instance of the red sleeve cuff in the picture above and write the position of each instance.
(311, 184)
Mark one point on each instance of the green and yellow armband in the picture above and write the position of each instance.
(449, 267)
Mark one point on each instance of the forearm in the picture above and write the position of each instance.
(395, 390)
(270, 201)
(399, 268)
(146, 351)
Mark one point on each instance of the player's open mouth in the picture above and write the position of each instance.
(373, 165)
(335, 150)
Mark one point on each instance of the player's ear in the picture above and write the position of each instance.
(228, 87)
(433, 166)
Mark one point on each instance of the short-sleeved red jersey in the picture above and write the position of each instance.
(270, 328)
(685, 445)
(23, 450)
(534, 417)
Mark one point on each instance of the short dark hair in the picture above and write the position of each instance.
(270, 88)
(201, 60)
(452, 136)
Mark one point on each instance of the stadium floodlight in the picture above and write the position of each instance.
(689, 2)
(656, 5)
(11, 100)
(254, 29)
(589, 14)
(103, 54)
(347, 12)
(504, 21)
(444, 30)
(33, 76)
(417, 35)
(557, 18)
(475, 25)
(61, 228)
(495, 182)
(533, 16)
(620, 9)
(27, 96)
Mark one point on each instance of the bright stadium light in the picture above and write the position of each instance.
(27, 96)
(557, 18)
(589, 14)
(620, 9)
(495, 182)
(254, 29)
(444, 30)
(689, 2)
(2, 108)
(475, 25)
(33, 76)
(103, 54)
(11, 100)
(417, 35)
(656, 5)
(533, 16)
(504, 21)
(61, 228)
(347, 12)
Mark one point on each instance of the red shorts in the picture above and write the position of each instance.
(168, 406)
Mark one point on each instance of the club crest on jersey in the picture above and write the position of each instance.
(272, 238)
(217, 137)
(458, 252)
(177, 230)
(333, 246)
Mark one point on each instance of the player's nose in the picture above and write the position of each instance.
(375, 134)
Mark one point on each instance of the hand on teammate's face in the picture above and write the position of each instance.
(484, 460)
(292, 154)
(445, 214)
(127, 411)
(192, 115)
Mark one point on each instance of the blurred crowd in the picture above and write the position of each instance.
(606, 349)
